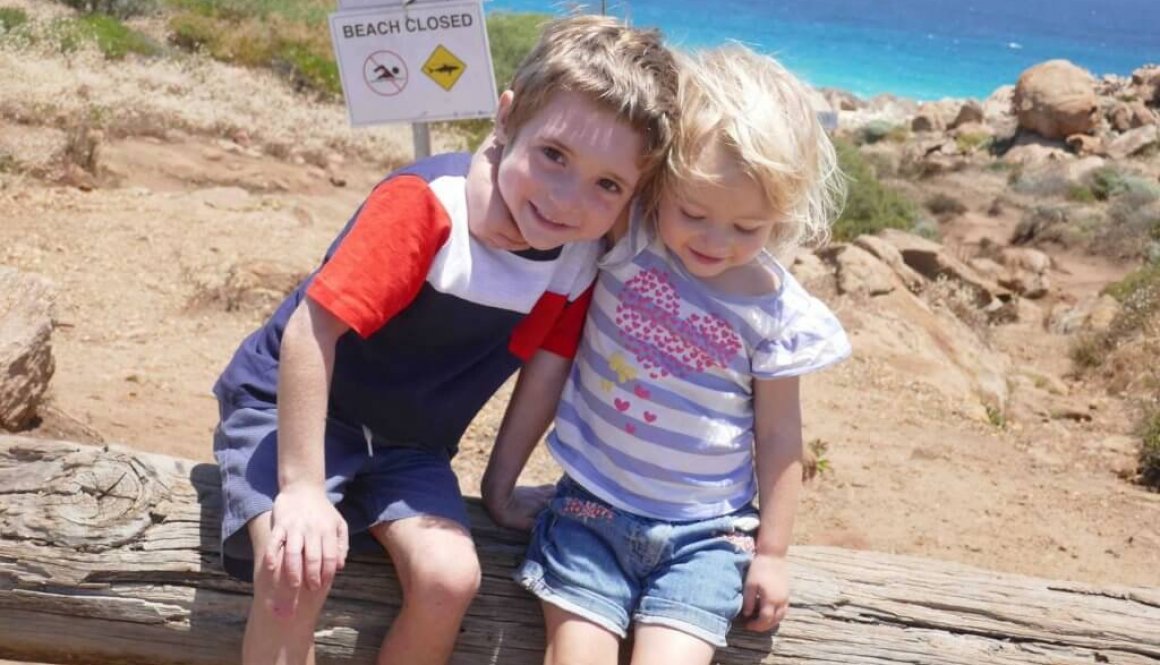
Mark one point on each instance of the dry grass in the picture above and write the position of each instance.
(45, 88)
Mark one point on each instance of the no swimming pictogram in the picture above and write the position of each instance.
(385, 73)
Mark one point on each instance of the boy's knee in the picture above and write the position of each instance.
(447, 579)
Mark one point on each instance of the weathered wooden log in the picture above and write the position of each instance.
(111, 556)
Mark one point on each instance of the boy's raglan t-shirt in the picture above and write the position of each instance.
(439, 321)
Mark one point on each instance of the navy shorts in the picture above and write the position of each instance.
(368, 484)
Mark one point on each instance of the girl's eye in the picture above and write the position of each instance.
(747, 231)
(690, 216)
(609, 185)
(553, 154)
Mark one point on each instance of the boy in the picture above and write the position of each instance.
(342, 412)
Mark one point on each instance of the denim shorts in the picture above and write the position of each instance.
(613, 567)
(368, 484)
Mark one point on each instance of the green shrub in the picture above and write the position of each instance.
(12, 18)
(116, 40)
(1109, 181)
(874, 131)
(1081, 194)
(1149, 432)
(870, 207)
(510, 36)
(120, 9)
(943, 204)
(972, 141)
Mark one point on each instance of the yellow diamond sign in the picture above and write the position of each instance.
(443, 67)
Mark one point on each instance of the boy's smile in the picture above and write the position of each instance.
(569, 171)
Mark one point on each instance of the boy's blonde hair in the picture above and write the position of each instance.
(758, 112)
(627, 70)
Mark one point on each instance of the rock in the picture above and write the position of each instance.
(1092, 315)
(859, 272)
(1129, 115)
(970, 112)
(1056, 99)
(932, 260)
(811, 271)
(26, 361)
(889, 254)
(1085, 145)
(1133, 141)
(1031, 150)
(1146, 81)
(934, 116)
(227, 198)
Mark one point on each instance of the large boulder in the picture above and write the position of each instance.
(26, 361)
(1133, 141)
(1056, 99)
(1146, 81)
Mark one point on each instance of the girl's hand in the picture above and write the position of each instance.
(520, 509)
(766, 595)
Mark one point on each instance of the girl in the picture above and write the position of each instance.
(682, 406)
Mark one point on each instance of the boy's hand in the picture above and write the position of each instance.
(519, 509)
(766, 596)
(308, 543)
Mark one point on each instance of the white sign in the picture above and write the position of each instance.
(418, 63)
(368, 4)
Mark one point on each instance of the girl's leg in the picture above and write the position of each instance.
(438, 569)
(656, 644)
(573, 640)
(278, 637)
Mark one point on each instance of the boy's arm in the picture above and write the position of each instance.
(308, 539)
(778, 451)
(530, 411)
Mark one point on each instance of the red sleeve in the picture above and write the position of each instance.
(382, 263)
(564, 338)
(553, 325)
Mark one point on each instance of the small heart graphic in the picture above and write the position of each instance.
(641, 391)
(649, 417)
(621, 404)
(630, 428)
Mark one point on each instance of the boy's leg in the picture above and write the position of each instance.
(574, 640)
(274, 637)
(661, 645)
(435, 560)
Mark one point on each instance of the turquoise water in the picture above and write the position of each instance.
(922, 49)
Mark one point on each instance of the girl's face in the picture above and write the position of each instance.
(715, 227)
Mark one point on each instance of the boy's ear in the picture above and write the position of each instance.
(501, 116)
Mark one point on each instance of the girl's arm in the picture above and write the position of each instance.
(778, 451)
(530, 411)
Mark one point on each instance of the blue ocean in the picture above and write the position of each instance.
(924, 49)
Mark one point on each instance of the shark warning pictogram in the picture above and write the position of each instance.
(443, 67)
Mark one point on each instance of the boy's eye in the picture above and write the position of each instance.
(609, 185)
(552, 154)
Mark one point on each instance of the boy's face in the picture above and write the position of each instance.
(569, 171)
(713, 227)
